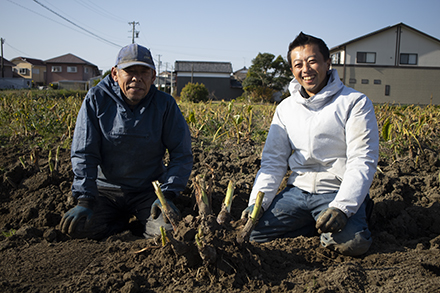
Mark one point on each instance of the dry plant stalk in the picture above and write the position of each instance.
(35, 158)
(203, 197)
(224, 215)
(57, 159)
(244, 234)
(166, 210)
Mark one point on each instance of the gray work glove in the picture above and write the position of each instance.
(331, 220)
(247, 212)
(73, 217)
(156, 208)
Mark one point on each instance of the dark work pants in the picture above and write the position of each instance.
(113, 209)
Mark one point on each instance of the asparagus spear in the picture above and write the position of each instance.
(166, 210)
(203, 197)
(244, 234)
(225, 213)
(207, 252)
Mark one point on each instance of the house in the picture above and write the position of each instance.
(6, 68)
(71, 72)
(164, 80)
(216, 76)
(240, 75)
(397, 64)
(8, 78)
(30, 68)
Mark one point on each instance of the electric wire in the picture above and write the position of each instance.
(71, 22)
(60, 23)
(24, 53)
(99, 10)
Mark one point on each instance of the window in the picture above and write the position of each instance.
(23, 71)
(336, 58)
(56, 69)
(410, 59)
(352, 80)
(364, 81)
(365, 57)
(387, 90)
(35, 71)
(377, 81)
(86, 70)
(71, 69)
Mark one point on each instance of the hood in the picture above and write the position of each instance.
(334, 85)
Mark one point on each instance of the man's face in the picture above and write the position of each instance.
(309, 68)
(134, 81)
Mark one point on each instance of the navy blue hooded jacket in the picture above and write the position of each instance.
(114, 146)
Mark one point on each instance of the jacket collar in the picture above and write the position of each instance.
(334, 85)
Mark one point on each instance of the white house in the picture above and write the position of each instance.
(397, 64)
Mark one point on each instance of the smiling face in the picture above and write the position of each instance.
(309, 68)
(134, 81)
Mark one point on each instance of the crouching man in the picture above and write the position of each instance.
(327, 134)
(123, 129)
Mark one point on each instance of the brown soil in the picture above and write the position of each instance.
(405, 255)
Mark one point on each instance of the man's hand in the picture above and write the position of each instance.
(331, 220)
(156, 208)
(71, 219)
(247, 212)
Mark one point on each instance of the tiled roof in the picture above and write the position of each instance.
(201, 66)
(32, 61)
(382, 30)
(6, 62)
(69, 58)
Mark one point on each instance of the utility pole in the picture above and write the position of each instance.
(2, 41)
(158, 70)
(166, 76)
(171, 81)
(134, 32)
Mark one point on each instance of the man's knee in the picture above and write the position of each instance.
(355, 246)
(152, 226)
(90, 231)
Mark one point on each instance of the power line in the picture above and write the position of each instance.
(93, 34)
(45, 17)
(99, 10)
(24, 54)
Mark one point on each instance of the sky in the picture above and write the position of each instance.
(196, 30)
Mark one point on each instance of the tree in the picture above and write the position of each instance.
(96, 81)
(194, 92)
(266, 76)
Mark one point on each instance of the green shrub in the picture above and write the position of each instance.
(194, 92)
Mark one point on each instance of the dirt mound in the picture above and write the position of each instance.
(37, 257)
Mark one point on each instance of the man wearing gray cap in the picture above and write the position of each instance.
(123, 129)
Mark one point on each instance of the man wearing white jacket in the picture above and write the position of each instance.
(327, 134)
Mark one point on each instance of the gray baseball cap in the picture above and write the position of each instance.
(134, 54)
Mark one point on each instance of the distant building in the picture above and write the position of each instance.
(216, 76)
(9, 79)
(70, 71)
(6, 68)
(163, 80)
(240, 75)
(397, 64)
(30, 68)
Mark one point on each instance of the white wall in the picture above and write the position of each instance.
(428, 50)
(383, 44)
